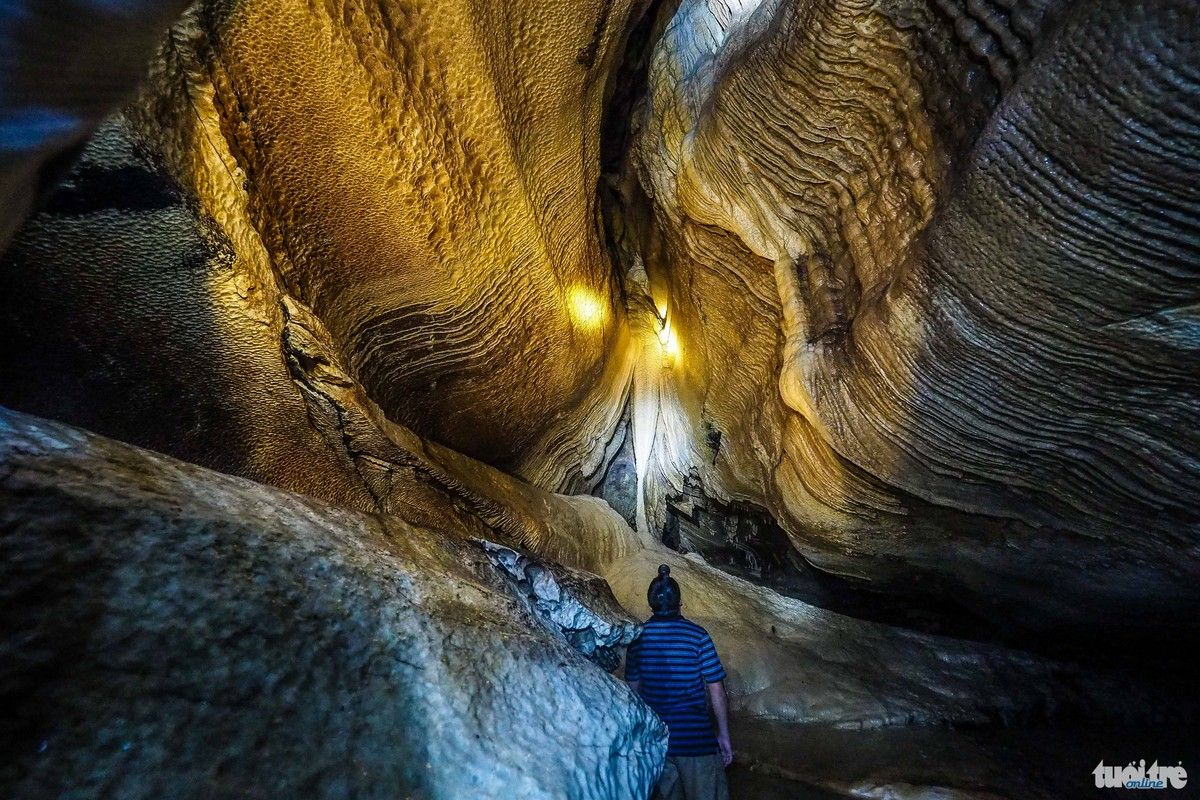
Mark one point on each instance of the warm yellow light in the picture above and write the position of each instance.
(587, 310)
(669, 340)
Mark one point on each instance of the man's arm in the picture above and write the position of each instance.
(716, 695)
(633, 664)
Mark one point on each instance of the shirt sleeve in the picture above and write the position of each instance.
(710, 666)
(633, 661)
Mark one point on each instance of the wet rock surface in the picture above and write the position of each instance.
(902, 290)
(169, 631)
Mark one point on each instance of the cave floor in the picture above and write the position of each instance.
(749, 784)
(1044, 762)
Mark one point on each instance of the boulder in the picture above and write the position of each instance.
(171, 631)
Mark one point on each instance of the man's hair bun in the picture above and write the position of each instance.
(663, 594)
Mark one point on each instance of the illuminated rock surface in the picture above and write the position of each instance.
(422, 175)
(935, 273)
(944, 340)
(885, 308)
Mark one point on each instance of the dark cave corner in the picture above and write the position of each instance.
(744, 539)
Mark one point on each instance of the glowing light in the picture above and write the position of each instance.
(670, 341)
(587, 310)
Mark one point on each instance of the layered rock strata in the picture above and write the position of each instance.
(933, 271)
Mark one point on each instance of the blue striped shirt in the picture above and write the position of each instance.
(672, 661)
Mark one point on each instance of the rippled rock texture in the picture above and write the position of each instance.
(933, 270)
(171, 631)
(915, 280)
(902, 290)
(599, 631)
(421, 175)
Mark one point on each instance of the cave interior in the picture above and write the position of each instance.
(363, 360)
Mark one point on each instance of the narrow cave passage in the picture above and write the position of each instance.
(363, 361)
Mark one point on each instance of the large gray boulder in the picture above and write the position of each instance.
(173, 632)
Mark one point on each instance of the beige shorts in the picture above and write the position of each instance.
(693, 778)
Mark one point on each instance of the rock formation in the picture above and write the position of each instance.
(153, 608)
(174, 631)
(877, 319)
(935, 275)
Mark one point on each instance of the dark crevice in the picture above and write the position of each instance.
(618, 481)
(624, 217)
(630, 83)
(587, 54)
(743, 539)
(626, 214)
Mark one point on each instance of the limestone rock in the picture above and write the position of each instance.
(172, 631)
(419, 173)
(788, 660)
(597, 627)
(912, 281)
(934, 274)
(913, 277)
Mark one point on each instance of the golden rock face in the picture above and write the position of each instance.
(423, 175)
(921, 262)
(907, 277)
(903, 289)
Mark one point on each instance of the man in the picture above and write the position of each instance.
(672, 666)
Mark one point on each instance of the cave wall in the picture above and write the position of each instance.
(421, 176)
(170, 631)
(914, 279)
(172, 586)
(910, 286)
(934, 273)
